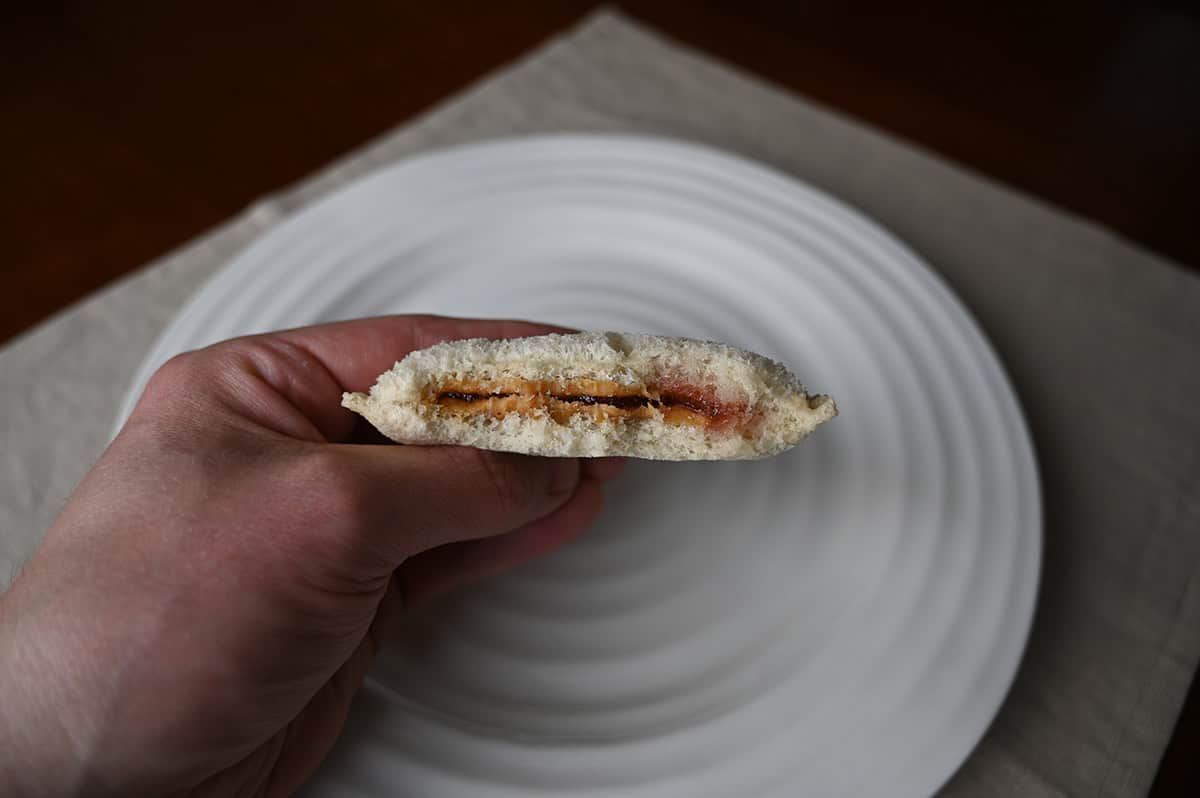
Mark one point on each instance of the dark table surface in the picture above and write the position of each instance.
(129, 128)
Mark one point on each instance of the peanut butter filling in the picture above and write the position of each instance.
(603, 400)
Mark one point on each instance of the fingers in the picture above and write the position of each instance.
(292, 381)
(355, 352)
(434, 572)
(407, 499)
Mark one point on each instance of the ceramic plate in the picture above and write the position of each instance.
(842, 620)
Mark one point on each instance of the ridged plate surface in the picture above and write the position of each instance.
(842, 620)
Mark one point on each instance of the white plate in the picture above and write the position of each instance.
(844, 619)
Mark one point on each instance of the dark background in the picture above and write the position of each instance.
(128, 128)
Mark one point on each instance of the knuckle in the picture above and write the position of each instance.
(336, 488)
(191, 376)
(185, 393)
(167, 405)
(171, 377)
(335, 540)
(506, 483)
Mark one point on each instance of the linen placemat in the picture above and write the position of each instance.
(1101, 338)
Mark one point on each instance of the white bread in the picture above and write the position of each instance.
(684, 399)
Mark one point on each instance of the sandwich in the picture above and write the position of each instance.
(594, 395)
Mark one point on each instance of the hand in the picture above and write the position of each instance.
(202, 611)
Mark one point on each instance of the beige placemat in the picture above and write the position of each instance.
(1102, 340)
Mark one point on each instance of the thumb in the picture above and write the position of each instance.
(414, 498)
